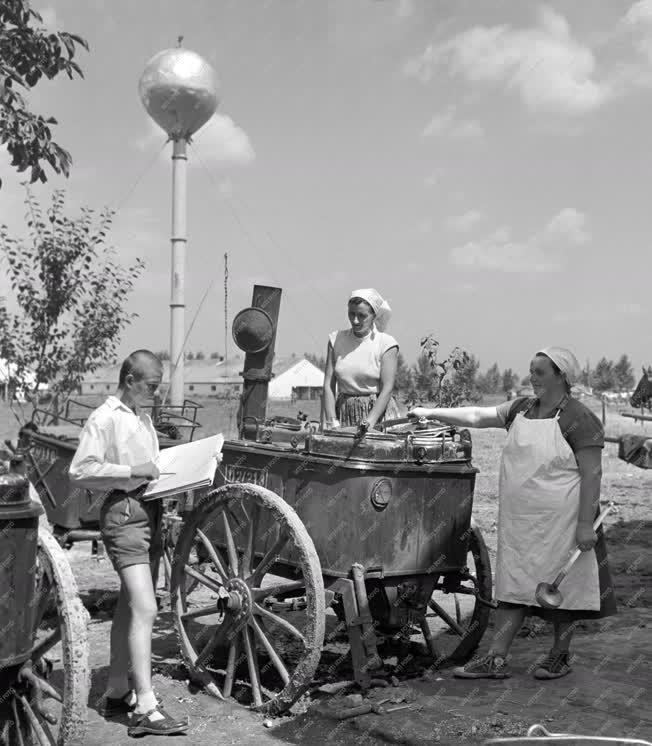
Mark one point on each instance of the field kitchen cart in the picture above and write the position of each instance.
(375, 527)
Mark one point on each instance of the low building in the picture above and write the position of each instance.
(294, 378)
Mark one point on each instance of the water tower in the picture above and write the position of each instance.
(179, 90)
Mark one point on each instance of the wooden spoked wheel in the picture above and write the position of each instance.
(254, 627)
(456, 620)
(47, 702)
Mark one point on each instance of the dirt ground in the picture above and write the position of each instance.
(608, 692)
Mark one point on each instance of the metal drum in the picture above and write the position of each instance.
(18, 541)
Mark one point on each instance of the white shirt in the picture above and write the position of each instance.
(358, 360)
(113, 440)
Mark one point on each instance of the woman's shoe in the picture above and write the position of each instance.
(554, 666)
(142, 725)
(113, 706)
(489, 667)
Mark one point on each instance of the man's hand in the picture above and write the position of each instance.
(149, 471)
(219, 457)
(585, 536)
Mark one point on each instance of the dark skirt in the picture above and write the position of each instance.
(608, 605)
(352, 410)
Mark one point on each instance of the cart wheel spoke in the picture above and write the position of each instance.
(210, 583)
(273, 655)
(279, 622)
(252, 663)
(18, 725)
(252, 535)
(218, 636)
(231, 664)
(270, 557)
(443, 614)
(46, 644)
(277, 590)
(458, 611)
(454, 631)
(230, 546)
(212, 553)
(197, 613)
(34, 724)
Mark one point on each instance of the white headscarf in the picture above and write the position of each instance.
(378, 305)
(565, 361)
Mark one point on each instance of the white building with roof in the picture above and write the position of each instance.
(221, 378)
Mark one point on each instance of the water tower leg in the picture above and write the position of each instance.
(177, 300)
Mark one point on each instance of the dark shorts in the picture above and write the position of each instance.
(131, 529)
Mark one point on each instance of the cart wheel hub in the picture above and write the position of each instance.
(237, 598)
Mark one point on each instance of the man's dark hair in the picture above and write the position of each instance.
(135, 363)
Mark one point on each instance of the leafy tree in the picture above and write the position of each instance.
(510, 380)
(403, 380)
(491, 381)
(162, 355)
(70, 295)
(216, 356)
(27, 53)
(200, 355)
(449, 382)
(586, 376)
(604, 378)
(189, 355)
(461, 388)
(317, 360)
(624, 374)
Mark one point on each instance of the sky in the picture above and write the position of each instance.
(485, 166)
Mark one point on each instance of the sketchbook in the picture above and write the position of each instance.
(191, 466)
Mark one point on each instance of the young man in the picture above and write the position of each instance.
(117, 454)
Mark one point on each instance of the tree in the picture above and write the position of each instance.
(70, 293)
(604, 378)
(403, 379)
(162, 355)
(462, 387)
(200, 355)
(510, 380)
(491, 381)
(624, 374)
(317, 360)
(190, 355)
(27, 53)
(216, 356)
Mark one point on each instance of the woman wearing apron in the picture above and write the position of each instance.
(549, 492)
(361, 366)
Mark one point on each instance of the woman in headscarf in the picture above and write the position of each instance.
(361, 365)
(549, 494)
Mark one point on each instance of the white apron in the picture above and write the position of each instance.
(539, 503)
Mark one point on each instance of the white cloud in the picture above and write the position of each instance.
(545, 65)
(463, 222)
(222, 141)
(447, 124)
(544, 251)
(218, 141)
